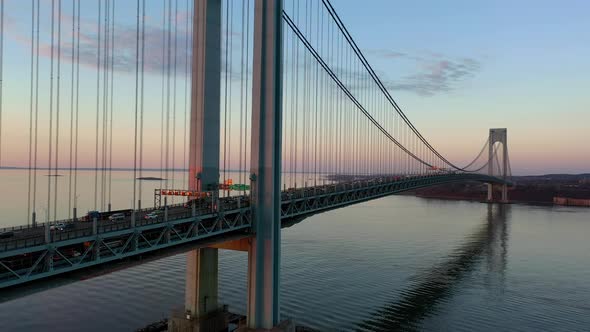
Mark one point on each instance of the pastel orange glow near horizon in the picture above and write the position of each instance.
(456, 71)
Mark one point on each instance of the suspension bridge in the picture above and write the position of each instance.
(254, 115)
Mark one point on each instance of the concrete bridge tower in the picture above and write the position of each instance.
(201, 295)
(498, 135)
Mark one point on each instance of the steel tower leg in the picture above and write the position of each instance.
(498, 135)
(491, 164)
(264, 254)
(505, 167)
(202, 269)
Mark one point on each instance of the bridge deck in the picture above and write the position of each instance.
(34, 252)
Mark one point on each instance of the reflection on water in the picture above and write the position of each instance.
(431, 288)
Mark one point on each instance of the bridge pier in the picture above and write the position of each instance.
(202, 309)
(504, 192)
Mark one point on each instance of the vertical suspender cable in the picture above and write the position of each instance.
(298, 106)
(97, 105)
(31, 110)
(112, 103)
(231, 62)
(104, 108)
(77, 107)
(241, 95)
(57, 108)
(168, 68)
(227, 55)
(174, 97)
(291, 135)
(246, 122)
(136, 106)
(105, 103)
(70, 175)
(305, 102)
(163, 89)
(228, 129)
(316, 92)
(141, 98)
(287, 101)
(186, 45)
(49, 156)
(35, 155)
(28, 216)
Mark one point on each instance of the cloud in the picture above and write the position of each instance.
(156, 58)
(435, 73)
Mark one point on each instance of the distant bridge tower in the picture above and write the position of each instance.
(498, 135)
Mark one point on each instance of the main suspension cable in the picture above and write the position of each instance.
(310, 48)
(376, 79)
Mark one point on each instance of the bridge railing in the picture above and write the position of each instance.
(21, 243)
(21, 227)
(85, 228)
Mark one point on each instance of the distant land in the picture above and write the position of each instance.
(534, 189)
(150, 178)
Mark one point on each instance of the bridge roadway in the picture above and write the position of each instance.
(32, 254)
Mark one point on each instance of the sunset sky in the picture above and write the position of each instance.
(457, 68)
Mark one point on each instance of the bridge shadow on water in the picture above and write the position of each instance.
(487, 245)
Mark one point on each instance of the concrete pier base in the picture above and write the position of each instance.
(215, 321)
(504, 191)
(201, 282)
(284, 326)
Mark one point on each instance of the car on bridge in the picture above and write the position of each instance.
(117, 216)
(6, 235)
(153, 215)
(62, 226)
(106, 215)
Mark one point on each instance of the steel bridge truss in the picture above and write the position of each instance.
(70, 251)
(61, 256)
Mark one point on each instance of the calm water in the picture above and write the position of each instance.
(397, 263)
(14, 196)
